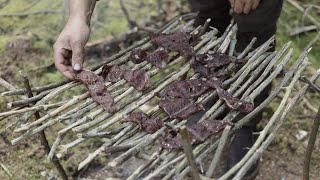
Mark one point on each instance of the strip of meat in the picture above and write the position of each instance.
(206, 64)
(137, 56)
(112, 73)
(180, 108)
(138, 78)
(97, 89)
(184, 89)
(159, 58)
(199, 68)
(198, 133)
(178, 42)
(213, 60)
(217, 59)
(147, 124)
(231, 101)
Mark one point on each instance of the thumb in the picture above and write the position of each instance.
(77, 57)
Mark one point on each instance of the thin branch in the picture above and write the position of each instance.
(312, 85)
(6, 170)
(311, 142)
(301, 9)
(25, 102)
(185, 142)
(258, 153)
(34, 108)
(265, 131)
(217, 155)
(43, 137)
(131, 23)
(23, 14)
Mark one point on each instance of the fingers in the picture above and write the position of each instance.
(255, 4)
(60, 56)
(244, 6)
(77, 57)
(232, 3)
(238, 6)
(247, 6)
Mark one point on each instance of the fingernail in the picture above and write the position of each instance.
(77, 67)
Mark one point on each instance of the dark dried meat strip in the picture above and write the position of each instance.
(213, 60)
(207, 64)
(178, 42)
(147, 124)
(97, 89)
(137, 56)
(159, 58)
(210, 60)
(138, 78)
(185, 89)
(199, 68)
(112, 73)
(198, 133)
(179, 108)
(231, 101)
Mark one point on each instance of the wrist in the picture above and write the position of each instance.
(81, 10)
(79, 20)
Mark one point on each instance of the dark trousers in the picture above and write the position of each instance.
(259, 23)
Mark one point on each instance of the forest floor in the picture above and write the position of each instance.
(26, 43)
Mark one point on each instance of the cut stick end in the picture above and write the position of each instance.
(112, 164)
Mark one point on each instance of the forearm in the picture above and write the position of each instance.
(81, 10)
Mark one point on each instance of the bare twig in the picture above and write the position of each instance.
(312, 139)
(131, 23)
(312, 85)
(255, 156)
(23, 14)
(185, 142)
(301, 9)
(6, 170)
(217, 155)
(304, 29)
(34, 108)
(25, 102)
(43, 137)
(264, 132)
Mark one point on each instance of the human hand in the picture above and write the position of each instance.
(69, 47)
(244, 6)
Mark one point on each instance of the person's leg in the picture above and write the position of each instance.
(260, 23)
(217, 10)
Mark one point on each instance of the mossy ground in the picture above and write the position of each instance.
(26, 161)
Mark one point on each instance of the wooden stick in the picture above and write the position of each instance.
(45, 11)
(217, 155)
(247, 118)
(43, 137)
(34, 108)
(25, 102)
(264, 132)
(312, 138)
(312, 85)
(185, 142)
(136, 173)
(256, 152)
(301, 9)
(6, 170)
